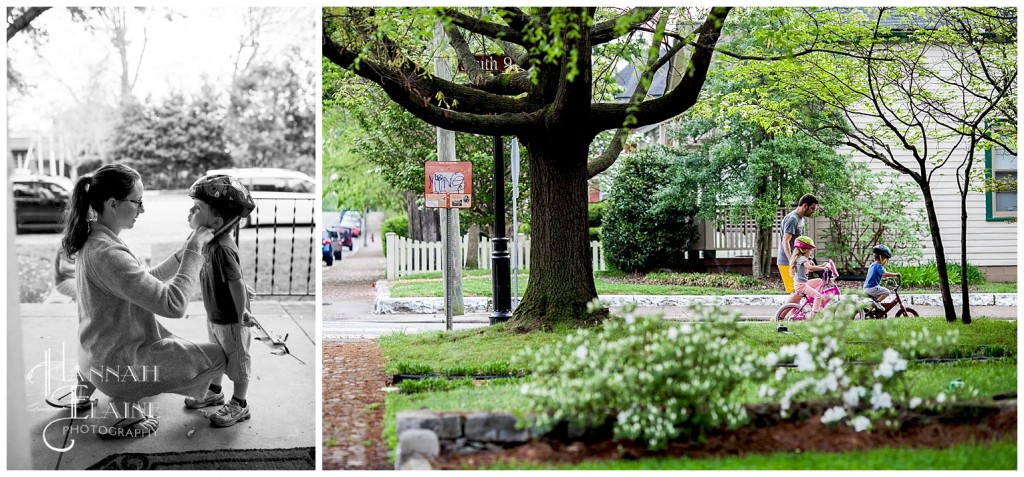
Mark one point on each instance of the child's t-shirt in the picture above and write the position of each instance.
(801, 270)
(874, 277)
(222, 265)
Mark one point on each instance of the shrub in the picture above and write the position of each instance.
(733, 281)
(595, 213)
(927, 275)
(398, 224)
(638, 232)
(595, 234)
(655, 380)
(863, 393)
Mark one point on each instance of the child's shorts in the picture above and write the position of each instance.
(875, 292)
(234, 339)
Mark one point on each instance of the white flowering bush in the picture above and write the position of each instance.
(865, 392)
(655, 379)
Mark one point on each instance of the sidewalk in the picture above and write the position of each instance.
(281, 395)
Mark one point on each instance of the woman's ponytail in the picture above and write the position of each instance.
(76, 218)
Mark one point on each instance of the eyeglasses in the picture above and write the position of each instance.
(137, 202)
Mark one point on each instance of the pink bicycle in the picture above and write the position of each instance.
(829, 291)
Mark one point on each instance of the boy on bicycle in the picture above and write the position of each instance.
(876, 272)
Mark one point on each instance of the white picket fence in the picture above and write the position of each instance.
(409, 257)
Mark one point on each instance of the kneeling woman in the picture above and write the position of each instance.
(127, 353)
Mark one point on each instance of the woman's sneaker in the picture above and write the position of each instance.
(210, 400)
(230, 414)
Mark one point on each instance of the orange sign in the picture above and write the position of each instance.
(448, 184)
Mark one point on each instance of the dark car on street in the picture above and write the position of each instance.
(342, 237)
(327, 243)
(39, 202)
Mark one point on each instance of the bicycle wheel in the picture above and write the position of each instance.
(787, 312)
(908, 312)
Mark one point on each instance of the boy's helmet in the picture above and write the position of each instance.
(882, 250)
(804, 242)
(223, 192)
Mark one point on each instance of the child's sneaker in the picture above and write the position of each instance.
(231, 413)
(215, 399)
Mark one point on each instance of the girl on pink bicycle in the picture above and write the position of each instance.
(801, 264)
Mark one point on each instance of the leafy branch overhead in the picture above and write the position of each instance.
(551, 84)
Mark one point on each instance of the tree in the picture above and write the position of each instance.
(880, 75)
(354, 183)
(546, 101)
(731, 163)
(173, 143)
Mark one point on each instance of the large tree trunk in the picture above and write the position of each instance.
(424, 223)
(762, 261)
(561, 274)
(940, 253)
(473, 247)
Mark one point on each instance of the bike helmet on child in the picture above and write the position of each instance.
(882, 250)
(224, 192)
(804, 242)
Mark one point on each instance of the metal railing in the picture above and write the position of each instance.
(274, 274)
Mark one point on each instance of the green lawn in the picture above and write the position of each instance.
(481, 348)
(478, 283)
(998, 455)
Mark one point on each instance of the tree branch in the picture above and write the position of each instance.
(488, 29)
(24, 20)
(682, 97)
(604, 32)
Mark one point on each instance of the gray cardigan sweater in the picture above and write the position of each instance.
(123, 350)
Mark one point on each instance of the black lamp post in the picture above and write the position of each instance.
(501, 287)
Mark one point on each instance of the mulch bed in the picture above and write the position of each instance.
(352, 428)
(785, 436)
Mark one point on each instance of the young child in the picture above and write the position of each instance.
(218, 201)
(876, 272)
(799, 266)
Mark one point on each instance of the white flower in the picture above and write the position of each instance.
(630, 319)
(860, 423)
(779, 373)
(914, 402)
(833, 415)
(852, 396)
(884, 370)
(771, 359)
(831, 382)
(881, 400)
(673, 333)
(804, 361)
(525, 388)
(581, 352)
(835, 363)
(686, 328)
(941, 398)
(622, 417)
(762, 391)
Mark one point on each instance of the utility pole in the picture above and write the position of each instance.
(449, 218)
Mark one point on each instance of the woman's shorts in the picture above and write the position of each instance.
(234, 339)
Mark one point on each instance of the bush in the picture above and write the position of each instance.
(595, 234)
(927, 275)
(595, 213)
(733, 281)
(655, 380)
(639, 232)
(398, 224)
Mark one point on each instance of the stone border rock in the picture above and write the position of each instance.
(383, 304)
(453, 433)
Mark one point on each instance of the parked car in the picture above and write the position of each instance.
(39, 201)
(351, 224)
(327, 243)
(292, 192)
(342, 238)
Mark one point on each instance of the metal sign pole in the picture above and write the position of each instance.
(515, 223)
(448, 269)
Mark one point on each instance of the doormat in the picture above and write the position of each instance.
(299, 458)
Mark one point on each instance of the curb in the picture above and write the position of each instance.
(383, 304)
